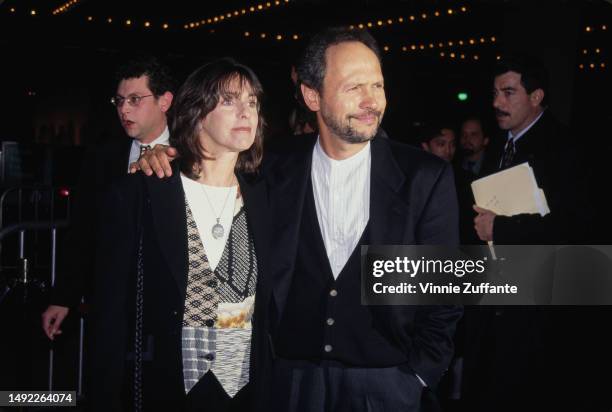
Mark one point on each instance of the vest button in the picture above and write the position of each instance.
(210, 323)
(328, 348)
(330, 321)
(209, 357)
(211, 284)
(333, 293)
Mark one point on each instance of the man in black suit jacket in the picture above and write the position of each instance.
(533, 358)
(533, 135)
(328, 196)
(144, 95)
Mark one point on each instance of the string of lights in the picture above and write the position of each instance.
(451, 48)
(592, 59)
(32, 12)
(592, 65)
(256, 8)
(591, 29)
(405, 20)
(272, 36)
(131, 23)
(211, 20)
(415, 47)
(454, 44)
(65, 7)
(593, 51)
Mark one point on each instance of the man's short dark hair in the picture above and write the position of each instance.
(533, 73)
(160, 79)
(431, 131)
(484, 125)
(311, 65)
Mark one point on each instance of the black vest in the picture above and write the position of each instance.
(323, 317)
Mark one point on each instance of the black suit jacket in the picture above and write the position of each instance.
(560, 171)
(102, 165)
(159, 206)
(412, 201)
(534, 358)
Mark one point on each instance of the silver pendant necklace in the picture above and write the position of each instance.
(217, 230)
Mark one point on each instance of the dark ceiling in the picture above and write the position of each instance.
(189, 27)
(62, 62)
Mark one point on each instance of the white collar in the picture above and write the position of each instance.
(525, 130)
(327, 163)
(163, 138)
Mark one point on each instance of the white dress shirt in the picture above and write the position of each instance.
(341, 190)
(163, 138)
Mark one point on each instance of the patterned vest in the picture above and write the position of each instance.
(216, 332)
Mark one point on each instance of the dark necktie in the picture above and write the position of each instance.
(509, 153)
(143, 149)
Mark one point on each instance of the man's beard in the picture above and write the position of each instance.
(345, 131)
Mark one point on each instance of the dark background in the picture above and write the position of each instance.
(57, 69)
(57, 74)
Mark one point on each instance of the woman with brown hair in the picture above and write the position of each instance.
(177, 278)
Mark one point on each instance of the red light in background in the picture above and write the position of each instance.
(64, 192)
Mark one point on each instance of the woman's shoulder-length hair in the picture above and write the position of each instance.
(199, 96)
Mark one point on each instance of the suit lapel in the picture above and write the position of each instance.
(119, 158)
(388, 208)
(124, 154)
(254, 195)
(533, 141)
(287, 184)
(170, 223)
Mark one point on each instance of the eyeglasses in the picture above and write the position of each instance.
(133, 100)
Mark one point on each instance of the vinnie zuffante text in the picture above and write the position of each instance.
(435, 267)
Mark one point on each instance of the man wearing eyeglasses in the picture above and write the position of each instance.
(143, 97)
(142, 103)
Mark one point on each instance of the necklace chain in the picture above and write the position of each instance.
(224, 202)
(218, 230)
